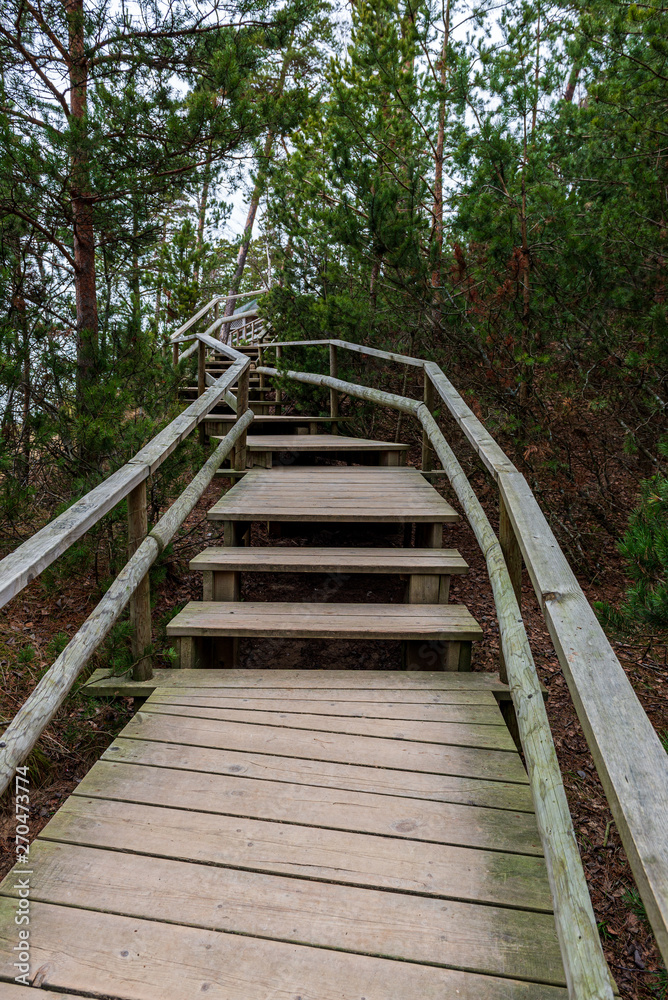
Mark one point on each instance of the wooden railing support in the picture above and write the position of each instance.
(140, 602)
(333, 394)
(427, 452)
(278, 394)
(242, 406)
(513, 556)
(175, 354)
(201, 385)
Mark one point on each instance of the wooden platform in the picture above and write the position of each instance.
(334, 494)
(313, 834)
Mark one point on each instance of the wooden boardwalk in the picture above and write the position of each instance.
(319, 834)
(315, 834)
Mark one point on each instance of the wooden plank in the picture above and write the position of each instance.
(308, 559)
(372, 751)
(309, 805)
(12, 991)
(326, 774)
(494, 737)
(27, 561)
(375, 621)
(428, 684)
(107, 954)
(463, 935)
(268, 418)
(320, 442)
(333, 514)
(513, 880)
(489, 714)
(627, 752)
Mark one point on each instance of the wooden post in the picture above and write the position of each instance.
(201, 385)
(140, 602)
(175, 354)
(242, 406)
(278, 394)
(513, 557)
(260, 364)
(427, 453)
(333, 394)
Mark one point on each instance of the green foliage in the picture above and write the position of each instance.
(645, 549)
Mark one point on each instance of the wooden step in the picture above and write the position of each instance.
(428, 570)
(296, 419)
(336, 494)
(260, 448)
(305, 559)
(435, 635)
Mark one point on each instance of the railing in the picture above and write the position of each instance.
(629, 757)
(234, 329)
(131, 586)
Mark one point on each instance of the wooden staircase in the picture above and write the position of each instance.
(323, 834)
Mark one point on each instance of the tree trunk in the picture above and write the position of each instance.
(201, 216)
(252, 210)
(569, 93)
(82, 207)
(246, 240)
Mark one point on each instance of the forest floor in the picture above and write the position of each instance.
(33, 627)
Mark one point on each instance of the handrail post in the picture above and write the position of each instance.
(260, 363)
(201, 385)
(427, 452)
(175, 354)
(278, 395)
(140, 602)
(513, 558)
(242, 406)
(333, 394)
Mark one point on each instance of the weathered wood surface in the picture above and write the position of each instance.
(308, 559)
(462, 935)
(319, 443)
(318, 841)
(41, 706)
(361, 621)
(371, 751)
(465, 734)
(189, 962)
(273, 418)
(587, 973)
(429, 686)
(628, 754)
(395, 495)
(487, 714)
(586, 970)
(513, 880)
(385, 780)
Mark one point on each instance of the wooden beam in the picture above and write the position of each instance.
(140, 602)
(35, 714)
(333, 394)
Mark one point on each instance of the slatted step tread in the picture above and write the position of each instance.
(319, 442)
(333, 493)
(306, 559)
(310, 620)
(277, 418)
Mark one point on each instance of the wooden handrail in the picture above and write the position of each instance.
(628, 754)
(39, 709)
(26, 562)
(587, 973)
